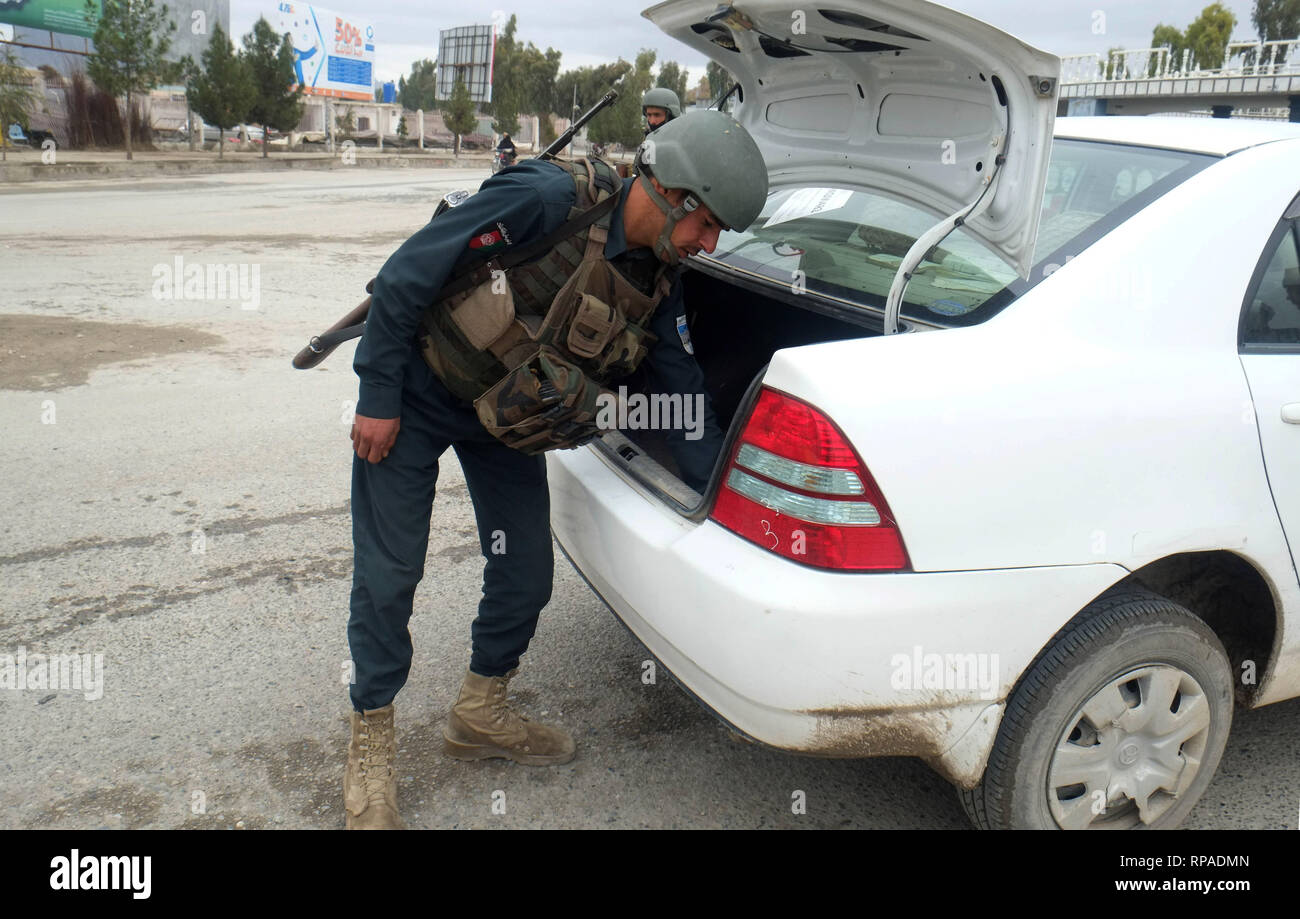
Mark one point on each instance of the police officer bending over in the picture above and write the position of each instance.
(506, 367)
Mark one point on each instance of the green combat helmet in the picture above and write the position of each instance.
(666, 99)
(711, 157)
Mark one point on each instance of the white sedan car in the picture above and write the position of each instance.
(1043, 537)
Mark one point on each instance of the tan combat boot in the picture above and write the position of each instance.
(370, 782)
(483, 726)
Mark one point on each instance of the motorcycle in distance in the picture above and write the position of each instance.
(501, 159)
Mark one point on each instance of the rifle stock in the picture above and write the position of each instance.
(318, 349)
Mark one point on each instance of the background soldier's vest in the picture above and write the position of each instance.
(532, 346)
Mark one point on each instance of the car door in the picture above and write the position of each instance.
(1269, 342)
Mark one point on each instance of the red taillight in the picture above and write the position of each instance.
(795, 486)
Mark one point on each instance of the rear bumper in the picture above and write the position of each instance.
(850, 665)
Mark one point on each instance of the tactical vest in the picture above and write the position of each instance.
(533, 345)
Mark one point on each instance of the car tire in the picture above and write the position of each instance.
(1132, 694)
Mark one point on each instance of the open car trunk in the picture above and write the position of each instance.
(734, 331)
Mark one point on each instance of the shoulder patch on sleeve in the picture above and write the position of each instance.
(491, 239)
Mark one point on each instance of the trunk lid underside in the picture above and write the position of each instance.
(904, 97)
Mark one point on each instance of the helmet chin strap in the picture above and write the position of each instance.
(663, 247)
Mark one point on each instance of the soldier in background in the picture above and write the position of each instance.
(660, 106)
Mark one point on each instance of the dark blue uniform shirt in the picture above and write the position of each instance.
(514, 207)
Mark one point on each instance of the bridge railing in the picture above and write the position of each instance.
(1266, 58)
(1081, 68)
(1256, 59)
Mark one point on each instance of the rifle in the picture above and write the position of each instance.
(354, 323)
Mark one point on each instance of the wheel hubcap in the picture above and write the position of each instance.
(1129, 751)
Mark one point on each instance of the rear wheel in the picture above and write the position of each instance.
(1119, 723)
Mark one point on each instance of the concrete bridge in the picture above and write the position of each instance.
(1255, 75)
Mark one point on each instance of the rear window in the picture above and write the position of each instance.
(848, 243)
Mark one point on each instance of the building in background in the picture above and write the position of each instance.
(53, 38)
(55, 33)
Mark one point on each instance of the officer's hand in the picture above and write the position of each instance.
(372, 438)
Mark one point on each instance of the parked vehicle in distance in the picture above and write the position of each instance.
(1043, 537)
(43, 127)
(213, 134)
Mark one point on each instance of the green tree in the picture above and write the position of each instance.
(277, 102)
(507, 118)
(420, 92)
(582, 88)
(402, 132)
(672, 76)
(540, 73)
(1115, 67)
(578, 90)
(546, 126)
(627, 110)
(130, 41)
(1167, 37)
(506, 81)
(16, 96)
(621, 123)
(345, 124)
(1207, 38)
(1277, 20)
(523, 80)
(459, 114)
(222, 90)
(719, 80)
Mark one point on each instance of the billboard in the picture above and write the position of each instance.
(466, 52)
(333, 54)
(66, 16)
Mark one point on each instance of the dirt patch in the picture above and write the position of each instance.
(117, 807)
(44, 353)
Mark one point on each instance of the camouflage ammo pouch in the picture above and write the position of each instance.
(545, 403)
(531, 347)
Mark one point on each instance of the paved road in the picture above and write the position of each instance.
(177, 502)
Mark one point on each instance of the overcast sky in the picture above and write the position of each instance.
(592, 32)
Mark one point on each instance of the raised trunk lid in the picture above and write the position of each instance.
(901, 96)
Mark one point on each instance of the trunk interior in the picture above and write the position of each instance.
(735, 332)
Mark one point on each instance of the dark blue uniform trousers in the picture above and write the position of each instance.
(392, 502)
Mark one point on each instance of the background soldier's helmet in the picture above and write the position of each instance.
(709, 155)
(666, 99)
